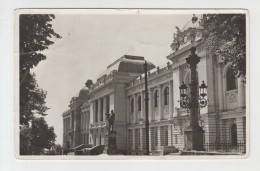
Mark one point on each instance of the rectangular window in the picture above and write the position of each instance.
(244, 129)
(87, 120)
(176, 139)
(144, 137)
(96, 112)
(107, 104)
(155, 136)
(137, 138)
(130, 138)
(166, 135)
(101, 110)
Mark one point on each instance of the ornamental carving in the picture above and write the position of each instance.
(232, 97)
(165, 110)
(188, 34)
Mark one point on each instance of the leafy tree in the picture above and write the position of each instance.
(34, 138)
(35, 36)
(32, 100)
(42, 135)
(25, 140)
(226, 34)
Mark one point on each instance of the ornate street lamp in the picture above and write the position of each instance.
(203, 93)
(184, 101)
(193, 102)
(146, 109)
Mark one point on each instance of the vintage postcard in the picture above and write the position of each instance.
(131, 84)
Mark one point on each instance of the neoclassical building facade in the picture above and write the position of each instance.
(121, 88)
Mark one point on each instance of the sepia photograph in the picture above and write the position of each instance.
(131, 83)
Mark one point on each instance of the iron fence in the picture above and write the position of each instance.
(226, 146)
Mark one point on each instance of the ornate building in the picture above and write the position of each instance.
(121, 88)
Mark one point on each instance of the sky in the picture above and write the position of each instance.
(91, 42)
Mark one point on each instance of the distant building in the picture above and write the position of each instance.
(121, 88)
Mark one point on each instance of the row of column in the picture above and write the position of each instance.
(66, 124)
(151, 103)
(100, 109)
(156, 139)
(85, 120)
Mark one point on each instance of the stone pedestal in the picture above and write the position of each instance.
(194, 139)
(112, 148)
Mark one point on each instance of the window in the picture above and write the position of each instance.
(101, 110)
(132, 105)
(156, 98)
(166, 135)
(166, 96)
(107, 103)
(231, 79)
(176, 139)
(233, 130)
(244, 129)
(130, 137)
(96, 112)
(139, 103)
(155, 136)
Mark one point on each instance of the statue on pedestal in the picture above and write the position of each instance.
(111, 141)
(111, 120)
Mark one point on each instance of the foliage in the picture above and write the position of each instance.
(226, 34)
(42, 135)
(34, 138)
(25, 140)
(32, 100)
(35, 36)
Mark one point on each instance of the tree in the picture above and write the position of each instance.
(25, 140)
(34, 138)
(226, 34)
(35, 36)
(32, 100)
(42, 135)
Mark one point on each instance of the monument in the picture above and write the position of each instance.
(110, 137)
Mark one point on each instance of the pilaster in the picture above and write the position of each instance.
(241, 93)
(135, 111)
(170, 99)
(240, 136)
(150, 105)
(142, 105)
(177, 77)
(220, 88)
(160, 102)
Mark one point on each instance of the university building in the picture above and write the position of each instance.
(121, 88)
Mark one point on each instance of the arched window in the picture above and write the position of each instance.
(166, 96)
(156, 98)
(231, 79)
(139, 103)
(132, 105)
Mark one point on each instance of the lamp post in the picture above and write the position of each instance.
(146, 110)
(193, 103)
